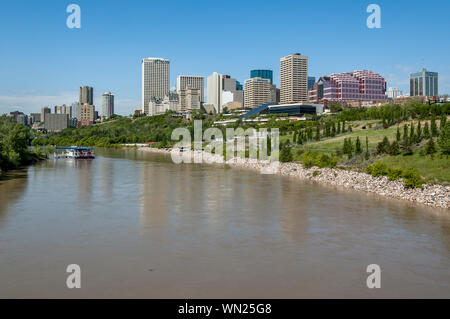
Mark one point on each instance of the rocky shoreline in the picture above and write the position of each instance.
(431, 195)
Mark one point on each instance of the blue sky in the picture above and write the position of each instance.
(42, 62)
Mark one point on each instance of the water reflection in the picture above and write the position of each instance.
(210, 231)
(12, 188)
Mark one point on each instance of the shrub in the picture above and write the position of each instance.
(311, 159)
(377, 169)
(412, 179)
(395, 173)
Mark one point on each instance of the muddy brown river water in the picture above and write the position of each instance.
(140, 226)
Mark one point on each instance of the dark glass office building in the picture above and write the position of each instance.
(265, 74)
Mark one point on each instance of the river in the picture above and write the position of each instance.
(140, 226)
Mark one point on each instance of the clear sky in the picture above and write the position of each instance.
(43, 63)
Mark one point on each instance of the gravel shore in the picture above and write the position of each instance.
(431, 195)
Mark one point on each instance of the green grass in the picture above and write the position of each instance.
(331, 144)
(435, 170)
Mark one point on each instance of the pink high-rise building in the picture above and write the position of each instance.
(351, 86)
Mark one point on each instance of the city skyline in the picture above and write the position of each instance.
(53, 77)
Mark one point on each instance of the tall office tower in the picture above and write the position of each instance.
(294, 79)
(64, 109)
(193, 99)
(45, 110)
(194, 82)
(107, 104)
(214, 91)
(86, 95)
(232, 93)
(188, 99)
(311, 81)
(265, 74)
(74, 110)
(257, 92)
(86, 115)
(394, 93)
(424, 83)
(155, 80)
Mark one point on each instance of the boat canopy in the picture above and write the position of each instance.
(75, 148)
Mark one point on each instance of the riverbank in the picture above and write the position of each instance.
(433, 195)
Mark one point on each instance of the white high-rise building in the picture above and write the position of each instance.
(394, 93)
(257, 92)
(107, 104)
(294, 79)
(194, 82)
(214, 91)
(155, 80)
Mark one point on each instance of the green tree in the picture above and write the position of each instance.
(367, 148)
(430, 148)
(412, 135)
(398, 135)
(358, 148)
(419, 132)
(434, 130)
(426, 131)
(443, 121)
(394, 149)
(444, 139)
(286, 153)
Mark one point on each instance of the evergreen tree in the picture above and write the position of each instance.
(358, 149)
(394, 149)
(444, 138)
(286, 152)
(443, 121)
(333, 130)
(426, 131)
(339, 127)
(412, 133)
(430, 148)
(399, 135)
(433, 127)
(367, 148)
(317, 133)
(419, 132)
(405, 131)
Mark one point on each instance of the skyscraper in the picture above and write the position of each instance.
(257, 92)
(45, 110)
(107, 104)
(194, 82)
(214, 91)
(232, 92)
(311, 81)
(86, 114)
(86, 95)
(64, 109)
(265, 74)
(294, 79)
(394, 93)
(155, 80)
(424, 83)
